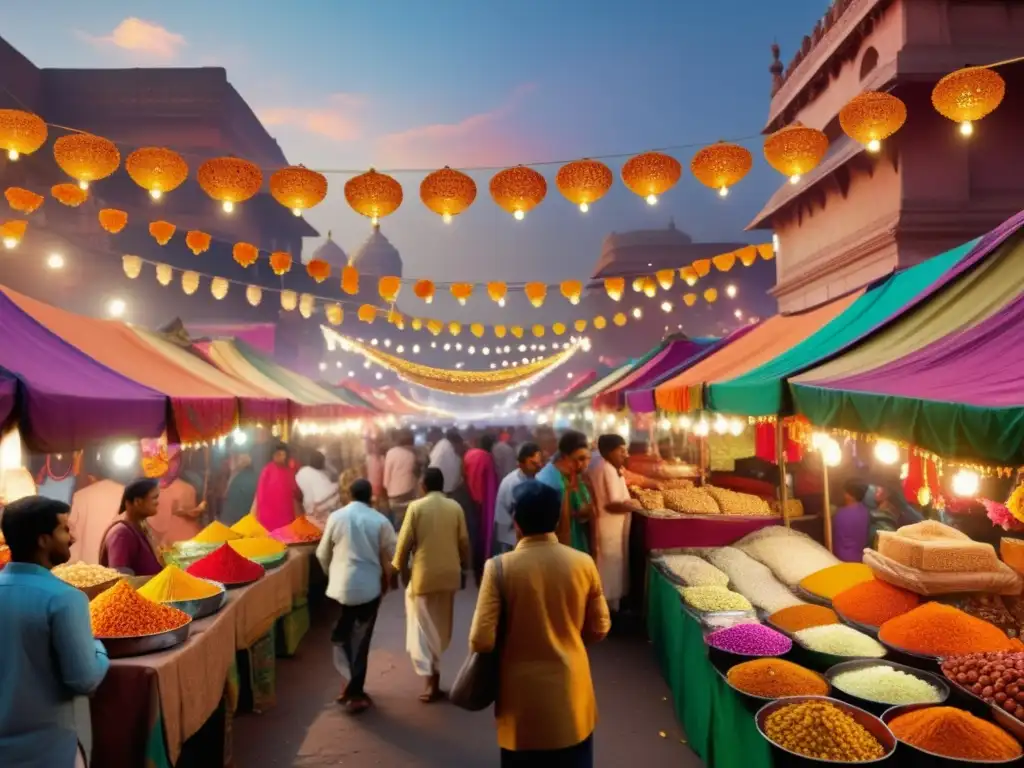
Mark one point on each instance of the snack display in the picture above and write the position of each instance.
(798, 617)
(838, 578)
(753, 580)
(792, 556)
(215, 533)
(690, 501)
(775, 679)
(693, 571)
(123, 612)
(874, 602)
(173, 585)
(299, 531)
(951, 732)
(84, 575)
(887, 685)
(715, 599)
(649, 499)
(821, 730)
(750, 640)
(250, 527)
(226, 566)
(934, 629)
(840, 640)
(937, 548)
(997, 678)
(740, 504)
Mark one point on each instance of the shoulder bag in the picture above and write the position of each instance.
(476, 685)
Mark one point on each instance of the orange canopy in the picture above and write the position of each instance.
(773, 337)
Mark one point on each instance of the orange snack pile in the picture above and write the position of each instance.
(123, 612)
(935, 629)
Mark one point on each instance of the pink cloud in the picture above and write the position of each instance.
(337, 119)
(479, 139)
(138, 36)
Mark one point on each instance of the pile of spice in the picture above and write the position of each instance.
(838, 578)
(715, 599)
(887, 685)
(994, 610)
(821, 730)
(750, 640)
(257, 547)
(215, 533)
(753, 580)
(84, 575)
(694, 571)
(299, 531)
(998, 678)
(249, 527)
(840, 640)
(874, 602)
(951, 732)
(775, 679)
(791, 555)
(173, 585)
(123, 612)
(934, 629)
(798, 617)
(226, 566)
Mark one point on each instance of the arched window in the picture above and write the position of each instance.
(868, 62)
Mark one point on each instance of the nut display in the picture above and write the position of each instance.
(84, 575)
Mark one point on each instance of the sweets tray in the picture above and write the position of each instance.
(123, 647)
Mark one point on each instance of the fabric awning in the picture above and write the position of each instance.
(769, 339)
(577, 385)
(66, 399)
(761, 391)
(584, 397)
(675, 352)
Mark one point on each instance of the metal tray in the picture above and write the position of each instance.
(911, 658)
(123, 647)
(878, 707)
(821, 661)
(912, 755)
(204, 606)
(753, 702)
(810, 597)
(867, 629)
(872, 724)
(271, 562)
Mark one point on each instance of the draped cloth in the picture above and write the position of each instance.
(276, 493)
(428, 629)
(482, 482)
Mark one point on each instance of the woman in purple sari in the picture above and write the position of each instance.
(127, 544)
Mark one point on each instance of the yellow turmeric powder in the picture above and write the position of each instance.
(257, 547)
(216, 533)
(249, 527)
(173, 585)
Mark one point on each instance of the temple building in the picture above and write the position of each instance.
(332, 253)
(858, 216)
(377, 257)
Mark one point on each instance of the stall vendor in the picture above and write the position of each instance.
(128, 545)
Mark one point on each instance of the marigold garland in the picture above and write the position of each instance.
(113, 220)
(162, 231)
(197, 242)
(23, 200)
(70, 195)
(280, 262)
(245, 254)
(318, 269)
(85, 157)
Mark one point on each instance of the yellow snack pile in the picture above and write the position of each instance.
(249, 527)
(821, 730)
(173, 585)
(715, 599)
(216, 533)
(257, 547)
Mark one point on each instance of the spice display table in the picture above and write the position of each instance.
(148, 706)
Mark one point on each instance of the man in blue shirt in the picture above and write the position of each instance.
(566, 473)
(48, 653)
(504, 527)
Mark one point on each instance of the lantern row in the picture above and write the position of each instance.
(964, 96)
(114, 220)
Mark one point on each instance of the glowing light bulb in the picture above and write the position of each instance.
(738, 314)
(966, 483)
(966, 128)
(701, 428)
(666, 306)
(374, 220)
(874, 145)
(446, 217)
(584, 207)
(794, 179)
(238, 437)
(399, 349)
(116, 307)
(156, 194)
(652, 199)
(83, 185)
(723, 192)
(638, 313)
(415, 349)
(887, 452)
(55, 261)
(12, 154)
(519, 215)
(10, 242)
(831, 453)
(730, 291)
(228, 206)
(124, 455)
(378, 375)
(501, 302)
(296, 211)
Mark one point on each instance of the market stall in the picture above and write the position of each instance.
(675, 351)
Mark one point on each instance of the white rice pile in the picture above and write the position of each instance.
(753, 580)
(790, 555)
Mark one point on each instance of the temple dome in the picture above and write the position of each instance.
(377, 256)
(331, 252)
(667, 237)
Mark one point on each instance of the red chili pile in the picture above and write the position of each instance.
(874, 602)
(226, 566)
(998, 678)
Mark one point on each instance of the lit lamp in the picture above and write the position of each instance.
(831, 456)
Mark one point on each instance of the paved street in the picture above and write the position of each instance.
(308, 730)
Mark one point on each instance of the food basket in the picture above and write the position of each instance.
(123, 647)
(204, 606)
(784, 758)
(907, 754)
(878, 707)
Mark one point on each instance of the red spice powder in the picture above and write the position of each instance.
(874, 602)
(226, 566)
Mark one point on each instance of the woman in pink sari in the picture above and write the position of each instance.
(277, 493)
(482, 483)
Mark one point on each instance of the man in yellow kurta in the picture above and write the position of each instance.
(432, 554)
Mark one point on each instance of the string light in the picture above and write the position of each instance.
(116, 307)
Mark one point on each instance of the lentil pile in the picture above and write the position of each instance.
(750, 640)
(887, 685)
(998, 678)
(257, 547)
(874, 602)
(173, 585)
(837, 578)
(951, 732)
(694, 571)
(249, 527)
(753, 580)
(798, 617)
(775, 679)
(299, 531)
(84, 575)
(717, 599)
(123, 612)
(821, 730)
(840, 640)
(226, 566)
(935, 629)
(215, 533)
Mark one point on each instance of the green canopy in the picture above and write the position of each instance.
(762, 391)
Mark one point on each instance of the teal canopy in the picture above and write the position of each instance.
(762, 391)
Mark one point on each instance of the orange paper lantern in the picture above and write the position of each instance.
(500, 331)
(539, 331)
(766, 251)
(454, 328)
(747, 255)
(518, 190)
(724, 261)
(572, 290)
(461, 292)
(477, 329)
(689, 275)
(388, 287)
(702, 267)
(12, 232)
(112, 220)
(665, 277)
(424, 289)
(651, 174)
(689, 299)
(580, 325)
(584, 182)
(70, 195)
(559, 329)
(447, 193)
(245, 254)
(795, 150)
(615, 287)
(871, 117)
(229, 180)
(600, 323)
(435, 327)
(156, 169)
(373, 195)
(298, 188)
(619, 319)
(289, 300)
(710, 295)
(335, 314)
(318, 269)
(162, 231)
(350, 280)
(197, 242)
(497, 291)
(536, 293)
(367, 313)
(968, 95)
(86, 158)
(21, 133)
(280, 262)
(517, 331)
(23, 200)
(721, 166)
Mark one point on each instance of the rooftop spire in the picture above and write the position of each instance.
(776, 69)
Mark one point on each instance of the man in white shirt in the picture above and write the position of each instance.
(614, 507)
(446, 457)
(530, 462)
(319, 493)
(401, 477)
(356, 552)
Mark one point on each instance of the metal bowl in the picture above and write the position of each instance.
(911, 754)
(867, 629)
(240, 584)
(98, 589)
(810, 597)
(123, 647)
(923, 661)
(204, 606)
(872, 724)
(821, 661)
(271, 562)
(753, 702)
(878, 707)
